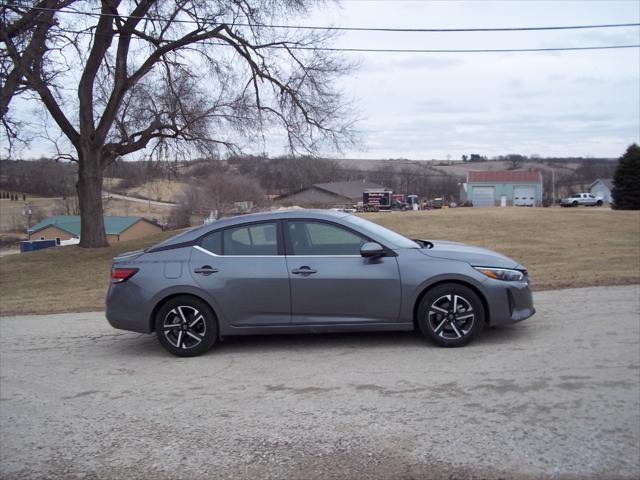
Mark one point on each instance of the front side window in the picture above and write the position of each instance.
(259, 239)
(319, 238)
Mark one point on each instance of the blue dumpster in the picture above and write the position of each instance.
(30, 246)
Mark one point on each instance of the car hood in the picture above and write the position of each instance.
(476, 256)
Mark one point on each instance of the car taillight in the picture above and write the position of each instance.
(119, 275)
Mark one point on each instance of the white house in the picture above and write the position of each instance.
(601, 188)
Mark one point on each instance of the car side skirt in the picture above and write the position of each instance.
(298, 329)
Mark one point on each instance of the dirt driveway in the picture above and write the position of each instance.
(557, 396)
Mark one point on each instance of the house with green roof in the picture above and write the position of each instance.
(66, 227)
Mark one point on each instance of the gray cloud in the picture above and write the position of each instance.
(415, 62)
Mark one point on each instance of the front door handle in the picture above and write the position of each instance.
(205, 270)
(303, 271)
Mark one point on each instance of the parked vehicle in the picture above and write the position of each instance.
(413, 201)
(587, 199)
(311, 271)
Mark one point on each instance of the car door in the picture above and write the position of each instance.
(244, 270)
(331, 283)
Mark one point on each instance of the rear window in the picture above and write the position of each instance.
(257, 239)
(213, 243)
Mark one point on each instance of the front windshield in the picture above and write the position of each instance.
(389, 236)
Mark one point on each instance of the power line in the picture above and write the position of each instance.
(356, 29)
(425, 50)
(288, 46)
(284, 45)
(483, 50)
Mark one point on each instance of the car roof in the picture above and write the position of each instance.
(200, 230)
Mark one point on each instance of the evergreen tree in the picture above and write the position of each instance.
(626, 181)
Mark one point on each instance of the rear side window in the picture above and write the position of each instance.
(259, 239)
(319, 238)
(213, 243)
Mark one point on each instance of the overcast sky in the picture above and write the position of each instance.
(424, 106)
(444, 105)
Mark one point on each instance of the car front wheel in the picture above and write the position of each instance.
(186, 326)
(451, 315)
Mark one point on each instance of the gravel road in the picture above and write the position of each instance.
(147, 201)
(556, 396)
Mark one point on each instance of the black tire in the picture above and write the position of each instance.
(435, 310)
(195, 330)
(599, 203)
(575, 204)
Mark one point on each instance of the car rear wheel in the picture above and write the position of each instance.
(451, 315)
(186, 326)
(599, 203)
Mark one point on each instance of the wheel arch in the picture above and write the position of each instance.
(169, 296)
(473, 288)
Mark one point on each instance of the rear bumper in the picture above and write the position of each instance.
(125, 308)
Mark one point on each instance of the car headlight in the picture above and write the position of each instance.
(506, 274)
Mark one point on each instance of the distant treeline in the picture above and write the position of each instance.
(285, 174)
(43, 177)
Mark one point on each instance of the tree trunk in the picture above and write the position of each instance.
(90, 199)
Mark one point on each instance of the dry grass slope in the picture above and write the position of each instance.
(561, 248)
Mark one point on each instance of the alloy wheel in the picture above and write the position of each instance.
(451, 317)
(184, 327)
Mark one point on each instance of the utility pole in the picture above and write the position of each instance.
(553, 187)
(27, 211)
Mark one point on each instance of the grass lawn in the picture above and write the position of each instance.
(61, 279)
(561, 247)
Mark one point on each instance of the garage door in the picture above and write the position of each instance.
(524, 196)
(483, 197)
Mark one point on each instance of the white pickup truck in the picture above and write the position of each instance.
(587, 199)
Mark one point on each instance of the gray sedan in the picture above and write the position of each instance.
(311, 271)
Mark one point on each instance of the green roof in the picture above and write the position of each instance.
(71, 223)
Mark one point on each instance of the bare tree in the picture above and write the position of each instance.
(218, 193)
(515, 160)
(221, 192)
(187, 74)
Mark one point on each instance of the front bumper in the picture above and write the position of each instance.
(508, 302)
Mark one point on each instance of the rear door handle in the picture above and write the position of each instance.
(205, 270)
(303, 271)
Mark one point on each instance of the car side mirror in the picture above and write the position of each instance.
(371, 249)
